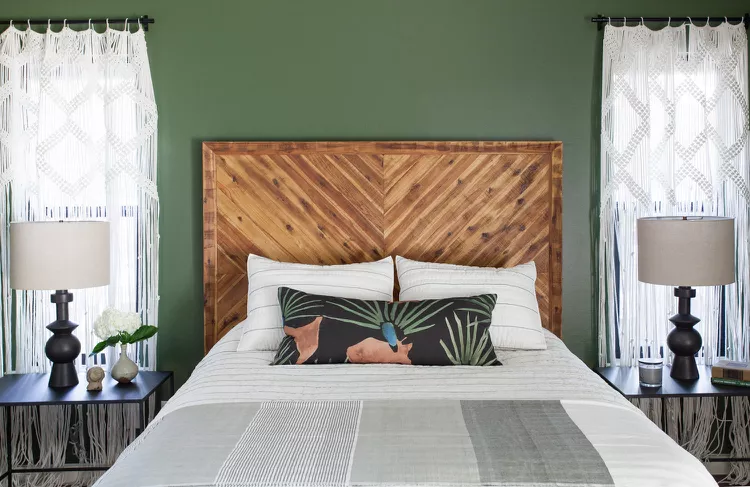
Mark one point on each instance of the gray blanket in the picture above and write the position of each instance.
(371, 443)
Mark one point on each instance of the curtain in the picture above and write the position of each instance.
(674, 141)
(78, 141)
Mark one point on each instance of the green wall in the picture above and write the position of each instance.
(378, 69)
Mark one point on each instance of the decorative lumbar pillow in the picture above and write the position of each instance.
(333, 330)
(262, 329)
(516, 322)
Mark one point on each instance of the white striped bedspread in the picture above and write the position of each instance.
(196, 439)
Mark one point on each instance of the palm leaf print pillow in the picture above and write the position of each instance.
(330, 330)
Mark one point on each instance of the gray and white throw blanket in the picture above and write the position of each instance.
(368, 443)
(540, 419)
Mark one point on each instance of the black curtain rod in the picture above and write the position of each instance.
(145, 20)
(603, 19)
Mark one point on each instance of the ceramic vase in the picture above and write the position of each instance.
(125, 370)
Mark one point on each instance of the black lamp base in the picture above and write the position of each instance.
(63, 348)
(684, 368)
(63, 375)
(684, 341)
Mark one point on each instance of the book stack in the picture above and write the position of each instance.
(731, 373)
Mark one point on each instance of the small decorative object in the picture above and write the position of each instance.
(731, 369)
(115, 326)
(650, 372)
(684, 252)
(731, 373)
(60, 255)
(95, 376)
(124, 370)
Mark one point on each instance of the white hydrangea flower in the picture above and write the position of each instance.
(129, 322)
(102, 327)
(113, 321)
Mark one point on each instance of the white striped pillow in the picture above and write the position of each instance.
(516, 322)
(262, 329)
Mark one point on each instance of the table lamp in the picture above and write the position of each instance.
(60, 256)
(684, 252)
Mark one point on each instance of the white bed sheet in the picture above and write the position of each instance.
(636, 452)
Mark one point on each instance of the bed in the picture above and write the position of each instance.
(541, 419)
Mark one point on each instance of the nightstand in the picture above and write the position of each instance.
(32, 390)
(625, 381)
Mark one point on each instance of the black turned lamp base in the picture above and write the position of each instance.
(63, 348)
(684, 368)
(684, 341)
(63, 375)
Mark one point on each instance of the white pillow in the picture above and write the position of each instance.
(263, 328)
(515, 321)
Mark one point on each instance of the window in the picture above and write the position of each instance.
(81, 112)
(674, 142)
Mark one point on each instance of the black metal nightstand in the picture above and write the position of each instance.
(32, 390)
(625, 380)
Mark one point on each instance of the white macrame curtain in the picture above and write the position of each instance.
(78, 141)
(674, 141)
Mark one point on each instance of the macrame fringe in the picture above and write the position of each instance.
(739, 437)
(701, 427)
(42, 437)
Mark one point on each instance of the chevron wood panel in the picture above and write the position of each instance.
(473, 203)
(471, 209)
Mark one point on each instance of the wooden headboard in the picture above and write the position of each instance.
(473, 203)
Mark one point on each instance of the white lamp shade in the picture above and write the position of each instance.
(59, 255)
(686, 251)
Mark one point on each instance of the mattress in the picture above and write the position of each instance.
(204, 436)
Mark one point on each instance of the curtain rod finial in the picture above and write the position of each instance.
(600, 23)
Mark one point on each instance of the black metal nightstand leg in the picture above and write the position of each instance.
(141, 416)
(8, 444)
(159, 395)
